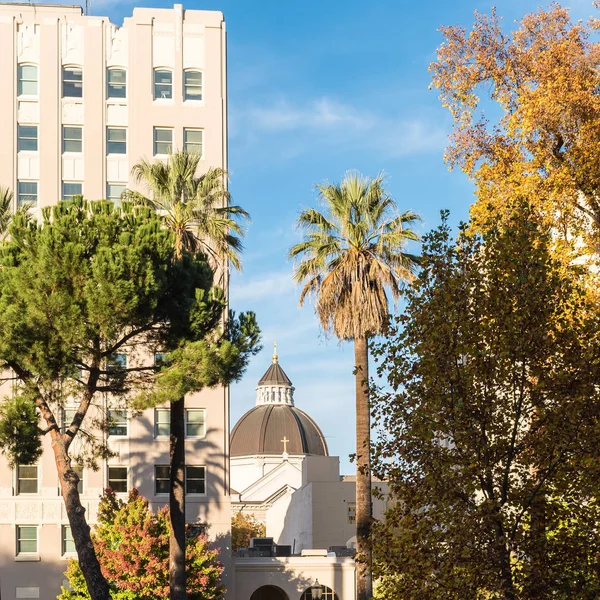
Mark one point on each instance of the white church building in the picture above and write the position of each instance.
(282, 474)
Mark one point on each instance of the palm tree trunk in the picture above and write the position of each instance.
(364, 588)
(177, 581)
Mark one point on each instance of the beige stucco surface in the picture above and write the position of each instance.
(51, 37)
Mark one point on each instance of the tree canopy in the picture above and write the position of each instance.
(86, 285)
(489, 429)
(526, 114)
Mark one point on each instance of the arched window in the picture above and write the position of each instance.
(116, 83)
(328, 594)
(72, 82)
(27, 82)
(192, 85)
(163, 84)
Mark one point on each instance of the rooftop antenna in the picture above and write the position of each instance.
(88, 7)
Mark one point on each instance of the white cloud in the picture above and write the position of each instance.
(326, 123)
(263, 287)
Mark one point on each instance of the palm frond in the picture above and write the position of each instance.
(353, 256)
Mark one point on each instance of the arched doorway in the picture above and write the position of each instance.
(269, 592)
(328, 594)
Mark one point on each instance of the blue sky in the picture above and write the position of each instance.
(317, 88)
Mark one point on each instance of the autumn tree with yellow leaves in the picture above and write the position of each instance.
(542, 80)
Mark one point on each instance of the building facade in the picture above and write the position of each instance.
(82, 101)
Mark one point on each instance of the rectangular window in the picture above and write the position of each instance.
(27, 138)
(116, 365)
(195, 480)
(194, 422)
(72, 139)
(162, 422)
(27, 84)
(161, 479)
(163, 84)
(116, 81)
(114, 192)
(192, 85)
(68, 544)
(163, 141)
(68, 415)
(351, 513)
(72, 82)
(27, 542)
(117, 422)
(193, 140)
(27, 194)
(27, 479)
(116, 140)
(117, 479)
(70, 189)
(160, 359)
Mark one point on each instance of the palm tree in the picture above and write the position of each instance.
(352, 257)
(197, 210)
(6, 201)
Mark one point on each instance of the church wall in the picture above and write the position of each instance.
(290, 522)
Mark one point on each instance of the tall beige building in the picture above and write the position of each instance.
(81, 101)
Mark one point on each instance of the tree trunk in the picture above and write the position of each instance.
(538, 576)
(364, 589)
(177, 580)
(86, 555)
(508, 587)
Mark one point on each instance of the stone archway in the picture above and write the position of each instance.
(269, 592)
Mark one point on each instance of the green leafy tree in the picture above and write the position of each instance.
(352, 257)
(196, 209)
(86, 282)
(132, 544)
(488, 430)
(243, 528)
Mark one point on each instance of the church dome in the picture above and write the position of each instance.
(275, 425)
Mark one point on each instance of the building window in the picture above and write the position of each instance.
(27, 84)
(27, 479)
(193, 140)
(161, 479)
(116, 365)
(327, 594)
(194, 422)
(117, 479)
(116, 82)
(351, 513)
(27, 542)
(27, 138)
(72, 82)
(114, 191)
(160, 359)
(27, 194)
(68, 414)
(70, 189)
(162, 422)
(163, 84)
(163, 141)
(192, 85)
(68, 544)
(117, 422)
(116, 140)
(195, 480)
(72, 139)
